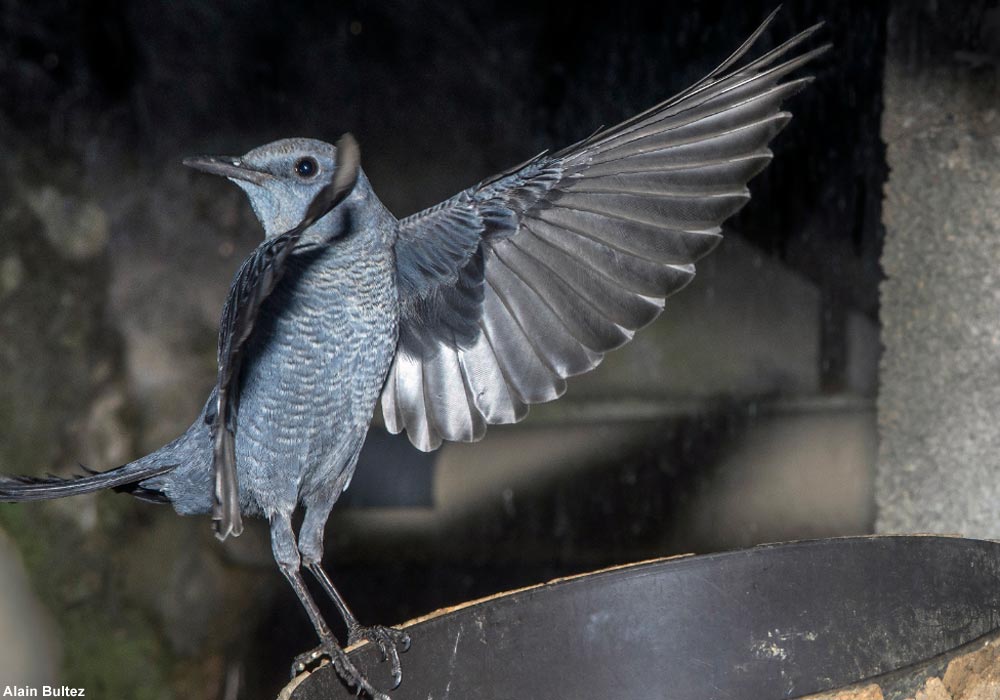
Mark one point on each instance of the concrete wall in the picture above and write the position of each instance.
(939, 401)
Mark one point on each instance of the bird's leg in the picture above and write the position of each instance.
(286, 554)
(388, 640)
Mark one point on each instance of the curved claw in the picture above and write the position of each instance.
(387, 639)
(347, 671)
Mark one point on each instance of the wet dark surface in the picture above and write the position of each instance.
(441, 95)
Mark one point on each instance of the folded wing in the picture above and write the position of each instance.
(254, 282)
(530, 277)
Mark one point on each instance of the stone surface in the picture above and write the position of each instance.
(939, 400)
(65, 400)
(35, 660)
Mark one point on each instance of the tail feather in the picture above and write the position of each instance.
(143, 493)
(124, 478)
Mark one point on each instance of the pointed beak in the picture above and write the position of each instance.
(227, 166)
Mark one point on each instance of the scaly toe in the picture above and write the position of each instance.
(305, 660)
(347, 671)
(386, 639)
(381, 636)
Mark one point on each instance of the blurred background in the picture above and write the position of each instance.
(745, 414)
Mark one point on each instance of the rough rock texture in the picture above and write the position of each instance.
(939, 403)
(36, 660)
(867, 692)
(130, 590)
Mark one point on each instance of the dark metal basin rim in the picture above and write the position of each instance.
(776, 621)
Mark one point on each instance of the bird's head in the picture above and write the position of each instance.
(281, 178)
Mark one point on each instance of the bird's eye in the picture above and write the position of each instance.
(306, 167)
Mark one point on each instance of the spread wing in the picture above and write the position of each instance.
(530, 277)
(254, 282)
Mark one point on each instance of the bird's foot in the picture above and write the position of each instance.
(389, 642)
(347, 671)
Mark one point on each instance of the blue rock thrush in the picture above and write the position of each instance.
(459, 316)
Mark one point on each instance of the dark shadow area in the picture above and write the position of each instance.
(441, 96)
(391, 472)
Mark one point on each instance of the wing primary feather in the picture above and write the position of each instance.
(638, 274)
(622, 271)
(475, 415)
(735, 56)
(714, 116)
(434, 432)
(583, 320)
(756, 68)
(410, 389)
(444, 387)
(769, 57)
(390, 406)
(627, 310)
(632, 236)
(680, 212)
(533, 380)
(740, 140)
(464, 423)
(731, 171)
(711, 81)
(506, 408)
(552, 338)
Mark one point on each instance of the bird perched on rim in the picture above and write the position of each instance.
(459, 317)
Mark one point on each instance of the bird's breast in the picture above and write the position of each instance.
(314, 370)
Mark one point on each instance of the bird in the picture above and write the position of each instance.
(454, 318)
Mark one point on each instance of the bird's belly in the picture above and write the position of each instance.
(309, 389)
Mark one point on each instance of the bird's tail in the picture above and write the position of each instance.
(124, 478)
